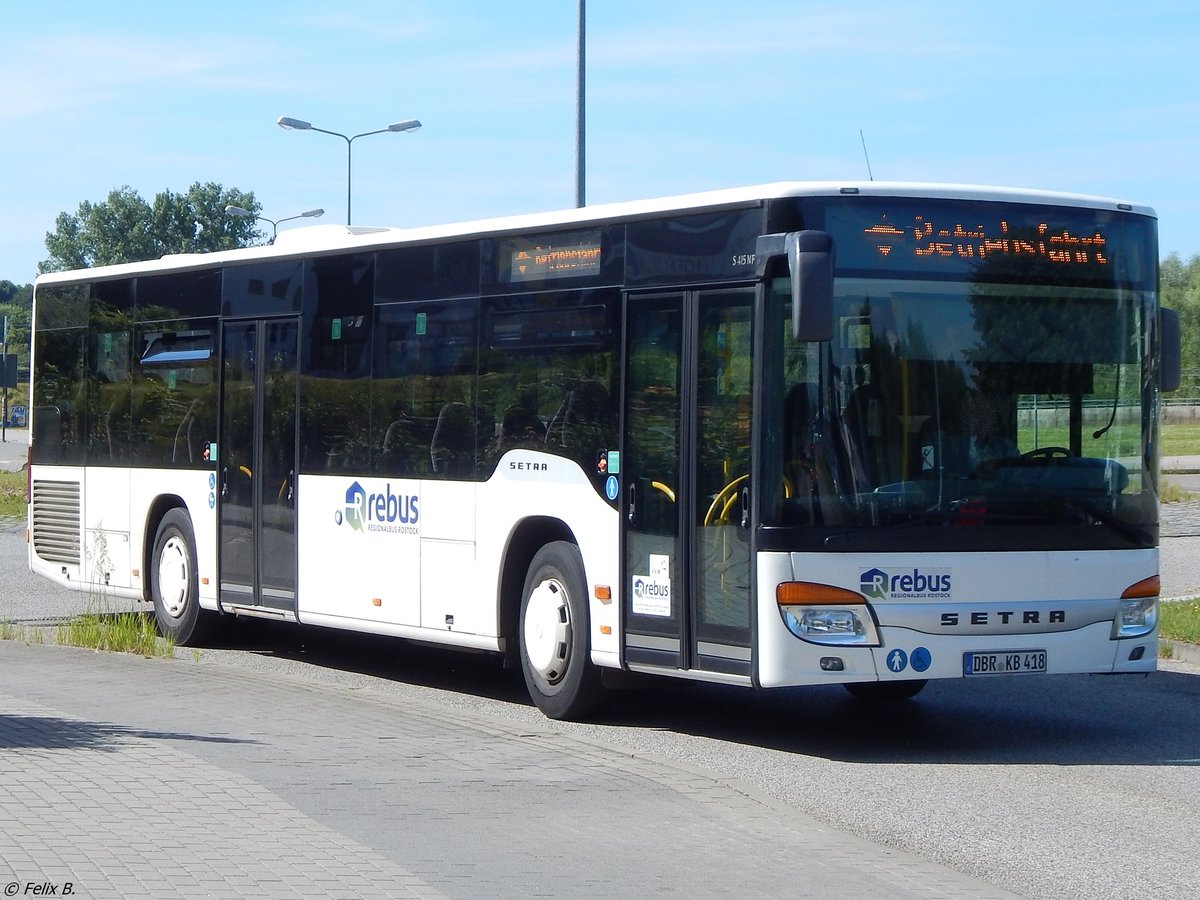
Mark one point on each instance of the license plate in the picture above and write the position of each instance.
(1004, 662)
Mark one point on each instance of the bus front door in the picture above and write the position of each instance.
(685, 472)
(257, 465)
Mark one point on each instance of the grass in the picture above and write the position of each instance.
(127, 632)
(1176, 439)
(1180, 621)
(12, 495)
(120, 632)
(1170, 493)
(1180, 439)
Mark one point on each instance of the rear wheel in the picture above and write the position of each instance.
(559, 674)
(174, 583)
(885, 691)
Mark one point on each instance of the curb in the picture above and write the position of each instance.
(1181, 650)
(1184, 652)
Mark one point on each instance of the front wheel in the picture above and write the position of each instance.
(560, 676)
(174, 583)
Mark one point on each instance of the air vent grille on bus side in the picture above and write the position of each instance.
(56, 521)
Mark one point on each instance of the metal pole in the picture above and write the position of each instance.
(349, 144)
(580, 116)
(4, 424)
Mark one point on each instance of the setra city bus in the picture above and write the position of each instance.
(867, 434)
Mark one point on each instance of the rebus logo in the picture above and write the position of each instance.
(651, 587)
(914, 584)
(356, 506)
(873, 583)
(380, 511)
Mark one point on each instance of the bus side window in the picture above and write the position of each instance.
(452, 448)
(545, 366)
(423, 390)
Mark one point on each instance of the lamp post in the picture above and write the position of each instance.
(246, 214)
(580, 108)
(300, 125)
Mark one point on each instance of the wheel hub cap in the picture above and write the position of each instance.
(548, 630)
(173, 577)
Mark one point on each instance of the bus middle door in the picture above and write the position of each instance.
(257, 465)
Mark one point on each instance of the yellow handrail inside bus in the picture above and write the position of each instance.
(666, 490)
(727, 497)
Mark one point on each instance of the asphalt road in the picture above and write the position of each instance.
(1074, 786)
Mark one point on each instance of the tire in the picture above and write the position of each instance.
(885, 691)
(174, 584)
(562, 681)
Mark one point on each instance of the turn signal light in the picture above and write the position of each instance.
(1147, 587)
(810, 593)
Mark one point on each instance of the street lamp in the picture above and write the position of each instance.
(300, 125)
(246, 214)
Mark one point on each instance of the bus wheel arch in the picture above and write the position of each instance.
(553, 634)
(526, 539)
(161, 505)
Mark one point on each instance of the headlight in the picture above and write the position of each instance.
(1138, 613)
(1136, 617)
(824, 614)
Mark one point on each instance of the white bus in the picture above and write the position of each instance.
(797, 434)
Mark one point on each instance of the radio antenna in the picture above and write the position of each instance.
(865, 156)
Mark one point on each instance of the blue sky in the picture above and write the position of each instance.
(1098, 98)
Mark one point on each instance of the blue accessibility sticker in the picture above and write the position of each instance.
(920, 659)
(611, 488)
(897, 660)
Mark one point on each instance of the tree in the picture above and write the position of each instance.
(125, 228)
(16, 304)
(20, 295)
(1180, 285)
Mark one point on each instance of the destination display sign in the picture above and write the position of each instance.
(557, 256)
(924, 236)
(995, 240)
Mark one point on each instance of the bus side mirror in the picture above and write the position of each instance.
(810, 257)
(810, 261)
(1170, 352)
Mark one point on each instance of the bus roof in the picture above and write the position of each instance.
(321, 239)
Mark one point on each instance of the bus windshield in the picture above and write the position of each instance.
(967, 414)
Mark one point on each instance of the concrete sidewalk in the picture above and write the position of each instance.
(1180, 465)
(14, 450)
(127, 776)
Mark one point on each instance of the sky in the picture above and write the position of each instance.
(681, 96)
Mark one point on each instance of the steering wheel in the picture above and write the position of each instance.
(1048, 453)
